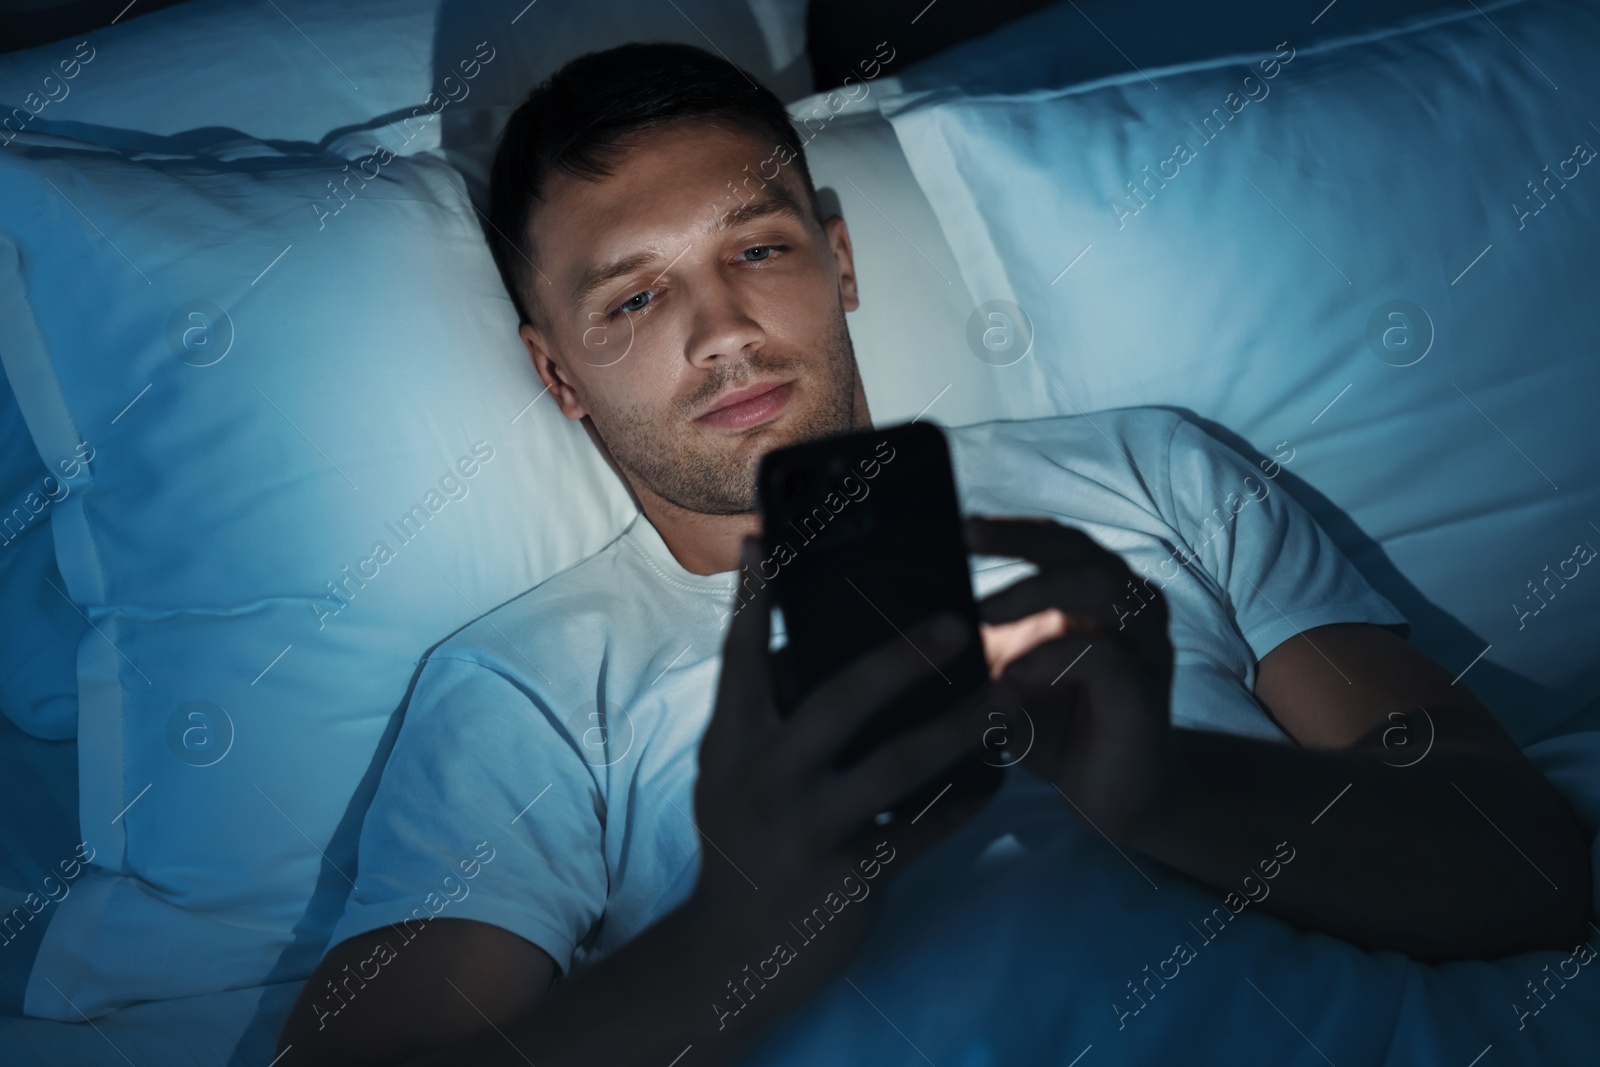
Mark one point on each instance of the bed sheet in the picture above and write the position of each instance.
(1017, 942)
(1027, 950)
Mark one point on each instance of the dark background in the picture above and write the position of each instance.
(25, 23)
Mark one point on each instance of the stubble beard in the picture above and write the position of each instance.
(713, 474)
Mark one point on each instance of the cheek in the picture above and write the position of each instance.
(633, 398)
(603, 342)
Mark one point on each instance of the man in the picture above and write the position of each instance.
(594, 782)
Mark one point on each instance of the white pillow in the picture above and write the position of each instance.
(364, 386)
(910, 332)
(423, 71)
(1253, 284)
(298, 70)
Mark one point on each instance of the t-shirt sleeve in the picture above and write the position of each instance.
(486, 810)
(1281, 572)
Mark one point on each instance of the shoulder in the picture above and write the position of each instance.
(519, 669)
(1125, 450)
(1145, 430)
(570, 608)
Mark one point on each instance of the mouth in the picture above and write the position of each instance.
(748, 407)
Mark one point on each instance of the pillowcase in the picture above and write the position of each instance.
(910, 333)
(38, 690)
(1369, 255)
(297, 71)
(314, 448)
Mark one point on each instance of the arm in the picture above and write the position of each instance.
(1447, 843)
(1417, 825)
(357, 1010)
(469, 992)
(786, 834)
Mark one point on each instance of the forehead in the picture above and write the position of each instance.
(669, 182)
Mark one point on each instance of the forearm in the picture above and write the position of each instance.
(643, 1004)
(1386, 855)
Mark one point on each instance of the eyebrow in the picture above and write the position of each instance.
(778, 201)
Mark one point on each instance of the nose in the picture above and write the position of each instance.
(723, 327)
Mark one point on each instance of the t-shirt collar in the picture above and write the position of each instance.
(643, 537)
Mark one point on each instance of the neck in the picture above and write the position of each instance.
(702, 544)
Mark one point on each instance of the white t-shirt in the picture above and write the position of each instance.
(585, 816)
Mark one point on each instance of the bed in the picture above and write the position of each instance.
(1376, 249)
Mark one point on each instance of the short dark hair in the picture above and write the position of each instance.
(576, 122)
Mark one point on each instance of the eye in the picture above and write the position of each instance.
(768, 250)
(637, 302)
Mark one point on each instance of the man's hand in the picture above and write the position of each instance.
(1088, 661)
(1417, 856)
(783, 829)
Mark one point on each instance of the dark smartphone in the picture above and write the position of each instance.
(864, 531)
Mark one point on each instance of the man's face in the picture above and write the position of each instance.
(664, 289)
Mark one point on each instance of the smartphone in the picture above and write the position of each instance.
(862, 540)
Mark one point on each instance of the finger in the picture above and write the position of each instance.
(899, 765)
(1004, 642)
(1041, 540)
(745, 703)
(836, 709)
(1095, 596)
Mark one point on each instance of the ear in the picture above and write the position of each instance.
(839, 240)
(550, 372)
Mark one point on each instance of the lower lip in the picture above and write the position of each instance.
(748, 413)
